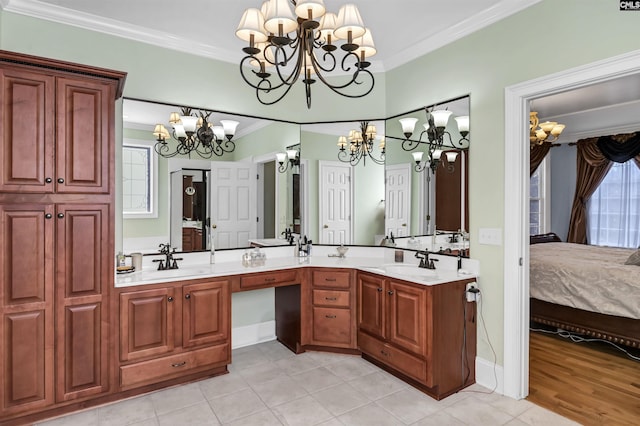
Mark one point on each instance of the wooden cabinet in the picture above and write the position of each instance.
(331, 308)
(171, 331)
(424, 334)
(191, 239)
(57, 147)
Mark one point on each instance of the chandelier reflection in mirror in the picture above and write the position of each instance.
(284, 48)
(288, 160)
(436, 133)
(195, 134)
(359, 145)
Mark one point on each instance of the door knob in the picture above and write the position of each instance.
(214, 226)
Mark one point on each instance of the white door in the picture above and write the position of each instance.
(397, 200)
(175, 229)
(335, 202)
(233, 203)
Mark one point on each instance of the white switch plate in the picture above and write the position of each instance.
(490, 236)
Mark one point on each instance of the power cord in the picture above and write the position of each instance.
(576, 338)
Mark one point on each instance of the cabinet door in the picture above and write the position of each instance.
(26, 131)
(146, 323)
(26, 307)
(370, 301)
(206, 310)
(407, 313)
(84, 113)
(84, 274)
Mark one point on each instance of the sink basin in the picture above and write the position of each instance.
(173, 273)
(407, 271)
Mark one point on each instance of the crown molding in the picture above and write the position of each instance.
(113, 27)
(487, 17)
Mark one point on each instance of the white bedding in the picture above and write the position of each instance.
(591, 278)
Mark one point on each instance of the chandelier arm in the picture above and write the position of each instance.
(162, 148)
(337, 88)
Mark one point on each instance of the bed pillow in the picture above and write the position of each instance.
(634, 259)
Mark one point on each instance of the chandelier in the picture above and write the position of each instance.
(360, 145)
(284, 48)
(539, 133)
(435, 132)
(194, 133)
(289, 159)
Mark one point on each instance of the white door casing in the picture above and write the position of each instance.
(397, 206)
(175, 203)
(233, 203)
(335, 202)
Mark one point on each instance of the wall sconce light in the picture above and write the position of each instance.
(289, 159)
(194, 133)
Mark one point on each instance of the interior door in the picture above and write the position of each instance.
(234, 210)
(335, 202)
(397, 199)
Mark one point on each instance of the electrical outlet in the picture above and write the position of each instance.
(472, 292)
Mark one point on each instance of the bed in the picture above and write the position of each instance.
(585, 289)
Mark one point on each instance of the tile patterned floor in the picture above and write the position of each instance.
(269, 385)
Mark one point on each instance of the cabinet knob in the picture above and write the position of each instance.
(48, 180)
(60, 180)
(48, 216)
(170, 299)
(187, 296)
(379, 289)
(390, 292)
(60, 215)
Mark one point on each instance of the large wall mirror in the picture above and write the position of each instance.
(198, 202)
(310, 190)
(428, 196)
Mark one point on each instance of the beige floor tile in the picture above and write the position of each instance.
(352, 367)
(279, 391)
(340, 398)
(327, 358)
(199, 414)
(84, 418)
(298, 364)
(236, 405)
(222, 385)
(248, 358)
(377, 385)
(317, 379)
(263, 418)
(275, 351)
(538, 416)
(439, 418)
(409, 405)
(175, 398)
(305, 411)
(474, 411)
(261, 373)
(127, 412)
(149, 422)
(369, 415)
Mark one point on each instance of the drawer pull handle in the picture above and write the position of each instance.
(330, 298)
(384, 353)
(330, 280)
(330, 316)
(179, 364)
(269, 280)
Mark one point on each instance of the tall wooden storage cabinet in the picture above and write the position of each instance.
(57, 184)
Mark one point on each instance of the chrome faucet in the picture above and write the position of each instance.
(169, 262)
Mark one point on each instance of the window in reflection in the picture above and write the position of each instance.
(139, 164)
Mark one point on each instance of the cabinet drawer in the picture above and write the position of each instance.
(169, 367)
(331, 298)
(395, 358)
(337, 279)
(269, 279)
(331, 326)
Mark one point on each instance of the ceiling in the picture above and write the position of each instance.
(402, 30)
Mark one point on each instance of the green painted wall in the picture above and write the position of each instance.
(548, 37)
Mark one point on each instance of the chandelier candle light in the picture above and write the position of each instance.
(194, 133)
(539, 133)
(285, 47)
(435, 131)
(360, 144)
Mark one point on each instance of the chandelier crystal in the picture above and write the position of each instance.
(286, 46)
(547, 132)
(359, 145)
(435, 132)
(194, 133)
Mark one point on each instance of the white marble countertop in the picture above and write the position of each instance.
(372, 259)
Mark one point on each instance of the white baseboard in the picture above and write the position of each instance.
(251, 334)
(490, 375)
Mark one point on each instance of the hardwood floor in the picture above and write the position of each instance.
(593, 384)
